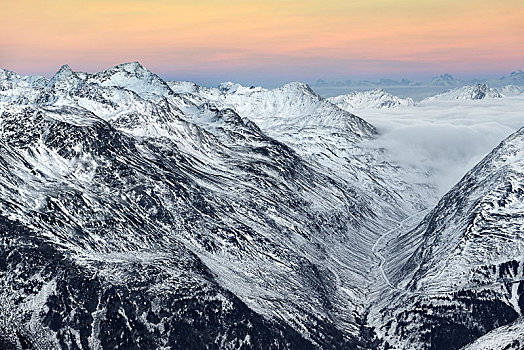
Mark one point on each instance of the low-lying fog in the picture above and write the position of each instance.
(446, 137)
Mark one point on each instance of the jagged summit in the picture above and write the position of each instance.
(64, 72)
(64, 78)
(64, 69)
(6, 74)
(131, 66)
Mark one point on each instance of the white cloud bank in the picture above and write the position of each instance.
(445, 137)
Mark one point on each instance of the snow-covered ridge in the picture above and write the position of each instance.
(468, 92)
(377, 98)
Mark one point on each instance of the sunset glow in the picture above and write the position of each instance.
(265, 40)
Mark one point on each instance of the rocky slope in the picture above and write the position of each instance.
(465, 276)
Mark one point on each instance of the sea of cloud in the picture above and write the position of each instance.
(446, 138)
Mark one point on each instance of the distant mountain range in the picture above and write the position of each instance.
(444, 80)
(471, 92)
(378, 98)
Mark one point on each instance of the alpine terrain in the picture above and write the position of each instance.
(138, 213)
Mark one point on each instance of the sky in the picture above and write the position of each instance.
(266, 42)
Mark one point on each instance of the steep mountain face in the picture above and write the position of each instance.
(468, 92)
(103, 196)
(465, 278)
(114, 300)
(377, 98)
(325, 135)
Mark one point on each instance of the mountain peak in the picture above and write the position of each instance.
(65, 68)
(517, 73)
(65, 78)
(468, 92)
(134, 77)
(299, 87)
(229, 86)
(132, 67)
(6, 74)
(444, 79)
(64, 71)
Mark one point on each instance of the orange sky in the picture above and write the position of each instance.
(281, 40)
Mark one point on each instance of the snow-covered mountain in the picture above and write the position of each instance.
(468, 92)
(446, 80)
(465, 276)
(510, 90)
(139, 213)
(377, 98)
(166, 195)
(514, 78)
(366, 83)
